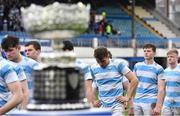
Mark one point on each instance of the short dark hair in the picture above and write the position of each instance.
(36, 44)
(110, 54)
(101, 52)
(9, 41)
(67, 45)
(150, 46)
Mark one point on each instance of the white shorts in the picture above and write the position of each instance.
(170, 111)
(117, 110)
(143, 109)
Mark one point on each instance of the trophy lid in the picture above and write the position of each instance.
(57, 20)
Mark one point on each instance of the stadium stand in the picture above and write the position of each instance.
(153, 22)
(121, 21)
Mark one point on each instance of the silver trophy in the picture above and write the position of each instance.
(58, 83)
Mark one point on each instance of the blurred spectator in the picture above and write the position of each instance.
(104, 15)
(101, 28)
(92, 21)
(110, 30)
(1, 15)
(10, 16)
(1, 23)
(102, 24)
(105, 27)
(15, 19)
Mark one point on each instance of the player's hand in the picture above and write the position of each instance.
(122, 99)
(96, 103)
(156, 111)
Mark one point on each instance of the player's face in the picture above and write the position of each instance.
(12, 53)
(31, 52)
(148, 53)
(103, 62)
(172, 58)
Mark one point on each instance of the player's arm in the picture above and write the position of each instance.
(16, 90)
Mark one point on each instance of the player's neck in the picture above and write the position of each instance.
(19, 58)
(150, 61)
(173, 66)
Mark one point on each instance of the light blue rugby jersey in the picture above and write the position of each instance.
(28, 65)
(7, 75)
(19, 70)
(84, 67)
(108, 80)
(148, 75)
(172, 81)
